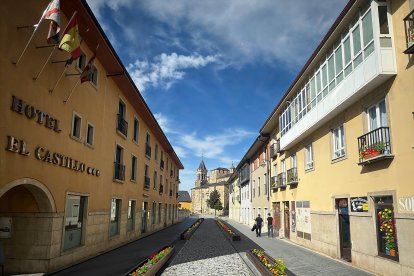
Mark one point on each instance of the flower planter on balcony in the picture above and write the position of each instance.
(190, 230)
(372, 155)
(154, 263)
(228, 233)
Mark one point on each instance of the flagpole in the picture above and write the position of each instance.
(71, 92)
(44, 65)
(54, 48)
(61, 75)
(31, 37)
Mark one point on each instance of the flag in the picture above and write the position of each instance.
(70, 41)
(52, 13)
(87, 72)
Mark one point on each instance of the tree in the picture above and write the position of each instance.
(214, 201)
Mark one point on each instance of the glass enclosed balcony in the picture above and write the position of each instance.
(361, 59)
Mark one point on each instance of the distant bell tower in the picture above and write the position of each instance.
(201, 174)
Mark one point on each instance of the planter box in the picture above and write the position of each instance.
(260, 267)
(227, 234)
(187, 234)
(156, 267)
(372, 155)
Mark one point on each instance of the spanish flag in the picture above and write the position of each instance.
(70, 41)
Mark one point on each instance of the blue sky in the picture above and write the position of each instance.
(212, 71)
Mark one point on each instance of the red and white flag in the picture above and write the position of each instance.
(52, 13)
(87, 72)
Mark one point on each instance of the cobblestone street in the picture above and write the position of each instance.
(208, 252)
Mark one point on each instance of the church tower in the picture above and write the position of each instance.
(201, 174)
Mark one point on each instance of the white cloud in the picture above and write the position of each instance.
(166, 69)
(242, 31)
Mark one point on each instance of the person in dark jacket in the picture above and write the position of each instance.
(269, 225)
(259, 222)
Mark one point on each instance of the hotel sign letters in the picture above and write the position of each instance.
(20, 146)
(31, 112)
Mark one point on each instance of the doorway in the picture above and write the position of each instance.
(287, 219)
(276, 216)
(344, 229)
(144, 217)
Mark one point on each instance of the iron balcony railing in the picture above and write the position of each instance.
(375, 145)
(148, 150)
(281, 179)
(409, 33)
(162, 164)
(147, 182)
(274, 181)
(119, 171)
(292, 176)
(122, 125)
(161, 189)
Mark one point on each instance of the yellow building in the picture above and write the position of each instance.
(342, 142)
(83, 168)
(184, 200)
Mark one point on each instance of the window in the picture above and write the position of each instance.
(136, 130)
(254, 186)
(154, 212)
(386, 227)
(134, 168)
(367, 34)
(89, 134)
(377, 116)
(115, 216)
(75, 212)
(146, 177)
(93, 75)
(156, 152)
(76, 126)
(155, 180)
(308, 157)
(148, 146)
(258, 186)
(338, 139)
(161, 186)
(131, 215)
(293, 161)
(159, 212)
(122, 124)
(265, 184)
(384, 28)
(81, 62)
(119, 168)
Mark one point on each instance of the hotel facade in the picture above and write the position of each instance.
(84, 167)
(341, 144)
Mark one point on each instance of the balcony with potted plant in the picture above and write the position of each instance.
(375, 146)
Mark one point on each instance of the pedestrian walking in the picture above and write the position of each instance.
(269, 225)
(259, 222)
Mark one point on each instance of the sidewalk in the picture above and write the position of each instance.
(122, 259)
(297, 259)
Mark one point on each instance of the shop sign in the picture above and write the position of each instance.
(19, 146)
(5, 227)
(359, 204)
(406, 204)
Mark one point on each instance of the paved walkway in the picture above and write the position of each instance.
(208, 252)
(121, 260)
(297, 259)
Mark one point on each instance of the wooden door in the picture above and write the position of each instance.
(287, 220)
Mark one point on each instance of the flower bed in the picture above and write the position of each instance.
(154, 263)
(265, 264)
(189, 231)
(229, 232)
